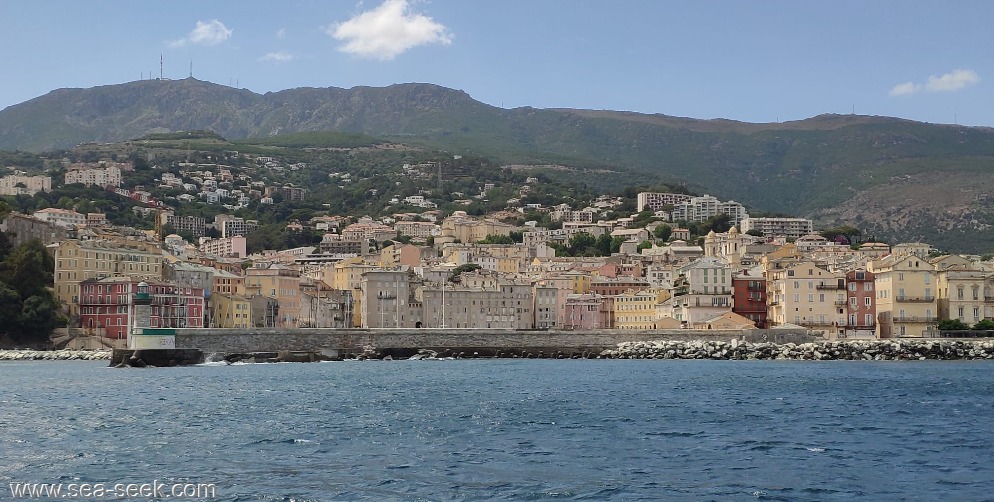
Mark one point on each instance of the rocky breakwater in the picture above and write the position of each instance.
(856, 350)
(54, 355)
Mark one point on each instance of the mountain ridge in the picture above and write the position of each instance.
(813, 167)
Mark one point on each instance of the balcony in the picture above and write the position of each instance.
(840, 302)
(916, 318)
(830, 286)
(914, 299)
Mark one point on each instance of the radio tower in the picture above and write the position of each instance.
(191, 68)
(160, 66)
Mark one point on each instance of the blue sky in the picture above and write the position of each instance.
(756, 61)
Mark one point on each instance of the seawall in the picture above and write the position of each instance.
(486, 343)
(54, 355)
(868, 350)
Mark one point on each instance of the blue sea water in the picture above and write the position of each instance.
(510, 429)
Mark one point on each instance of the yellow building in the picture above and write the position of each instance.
(806, 294)
(76, 261)
(636, 310)
(906, 288)
(231, 311)
(348, 277)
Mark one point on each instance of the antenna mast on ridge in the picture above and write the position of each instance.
(191, 68)
(160, 66)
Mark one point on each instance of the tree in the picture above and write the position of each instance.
(663, 232)
(984, 325)
(497, 239)
(29, 269)
(755, 233)
(952, 325)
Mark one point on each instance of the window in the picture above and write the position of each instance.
(867, 301)
(852, 302)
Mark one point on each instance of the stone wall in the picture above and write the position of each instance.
(349, 341)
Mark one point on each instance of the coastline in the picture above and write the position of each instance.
(854, 350)
(54, 355)
(828, 350)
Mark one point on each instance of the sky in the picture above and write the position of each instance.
(754, 61)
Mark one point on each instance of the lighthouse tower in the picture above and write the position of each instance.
(143, 335)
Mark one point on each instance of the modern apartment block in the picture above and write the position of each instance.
(787, 228)
(656, 200)
(700, 209)
(109, 176)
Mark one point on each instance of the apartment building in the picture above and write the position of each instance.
(230, 226)
(861, 305)
(655, 201)
(386, 300)
(749, 296)
(281, 283)
(225, 247)
(230, 311)
(21, 184)
(961, 294)
(77, 261)
(66, 218)
(806, 294)
(109, 176)
(506, 305)
(105, 305)
(906, 287)
(193, 225)
(702, 290)
(636, 310)
(786, 228)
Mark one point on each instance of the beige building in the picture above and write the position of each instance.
(961, 294)
(21, 184)
(702, 290)
(279, 282)
(464, 228)
(109, 176)
(507, 305)
(906, 287)
(76, 261)
(386, 300)
(806, 294)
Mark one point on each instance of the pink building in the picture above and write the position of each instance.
(105, 305)
(587, 311)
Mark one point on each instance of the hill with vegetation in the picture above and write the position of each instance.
(895, 179)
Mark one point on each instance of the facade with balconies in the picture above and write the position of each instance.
(906, 287)
(806, 294)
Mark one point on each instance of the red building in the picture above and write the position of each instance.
(105, 305)
(861, 305)
(749, 298)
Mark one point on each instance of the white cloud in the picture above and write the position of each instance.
(280, 33)
(905, 89)
(278, 57)
(950, 82)
(212, 32)
(388, 31)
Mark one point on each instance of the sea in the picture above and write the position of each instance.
(517, 430)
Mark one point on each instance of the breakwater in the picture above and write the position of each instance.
(869, 350)
(54, 355)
